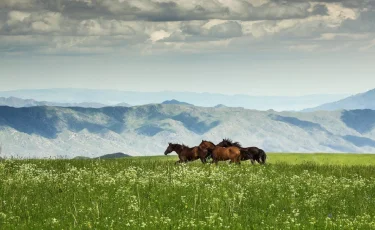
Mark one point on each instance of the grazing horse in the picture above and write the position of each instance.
(220, 153)
(253, 153)
(186, 153)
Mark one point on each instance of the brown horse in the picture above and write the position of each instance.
(220, 153)
(186, 153)
(253, 153)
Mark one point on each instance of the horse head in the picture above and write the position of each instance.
(206, 145)
(169, 149)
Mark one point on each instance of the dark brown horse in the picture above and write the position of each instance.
(253, 153)
(186, 153)
(220, 153)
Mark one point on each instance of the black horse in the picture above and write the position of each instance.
(252, 153)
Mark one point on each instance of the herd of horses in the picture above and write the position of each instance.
(225, 150)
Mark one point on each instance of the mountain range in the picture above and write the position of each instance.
(364, 100)
(19, 102)
(113, 97)
(175, 102)
(146, 130)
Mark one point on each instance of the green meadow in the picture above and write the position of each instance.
(292, 191)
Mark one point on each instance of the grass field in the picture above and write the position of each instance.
(293, 191)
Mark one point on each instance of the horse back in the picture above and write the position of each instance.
(226, 153)
(187, 152)
(234, 150)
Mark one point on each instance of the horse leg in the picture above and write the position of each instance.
(263, 158)
(215, 160)
(203, 159)
(252, 161)
(258, 159)
(238, 160)
(185, 161)
(180, 160)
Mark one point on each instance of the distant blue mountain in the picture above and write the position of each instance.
(113, 97)
(43, 131)
(18, 103)
(113, 156)
(220, 106)
(174, 102)
(359, 101)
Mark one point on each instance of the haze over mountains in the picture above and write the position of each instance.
(146, 130)
(113, 97)
(57, 129)
(364, 100)
(18, 103)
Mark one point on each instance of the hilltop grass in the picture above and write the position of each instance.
(323, 159)
(299, 158)
(294, 191)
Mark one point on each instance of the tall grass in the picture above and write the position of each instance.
(153, 193)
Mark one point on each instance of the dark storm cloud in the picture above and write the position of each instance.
(151, 10)
(110, 17)
(226, 30)
(365, 23)
(346, 3)
(222, 30)
(320, 10)
(192, 32)
(107, 25)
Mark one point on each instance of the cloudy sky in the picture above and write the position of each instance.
(257, 47)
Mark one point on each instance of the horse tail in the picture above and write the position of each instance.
(263, 156)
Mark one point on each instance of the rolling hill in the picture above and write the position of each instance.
(174, 102)
(146, 130)
(359, 101)
(113, 156)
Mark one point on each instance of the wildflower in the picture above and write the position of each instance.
(54, 221)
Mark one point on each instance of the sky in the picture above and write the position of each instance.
(255, 47)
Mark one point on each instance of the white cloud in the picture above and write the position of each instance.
(159, 35)
(21, 23)
(117, 25)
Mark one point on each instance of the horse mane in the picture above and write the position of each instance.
(184, 146)
(209, 142)
(237, 144)
(228, 140)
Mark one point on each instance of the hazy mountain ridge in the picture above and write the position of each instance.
(19, 102)
(364, 100)
(113, 97)
(113, 156)
(146, 130)
(175, 102)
